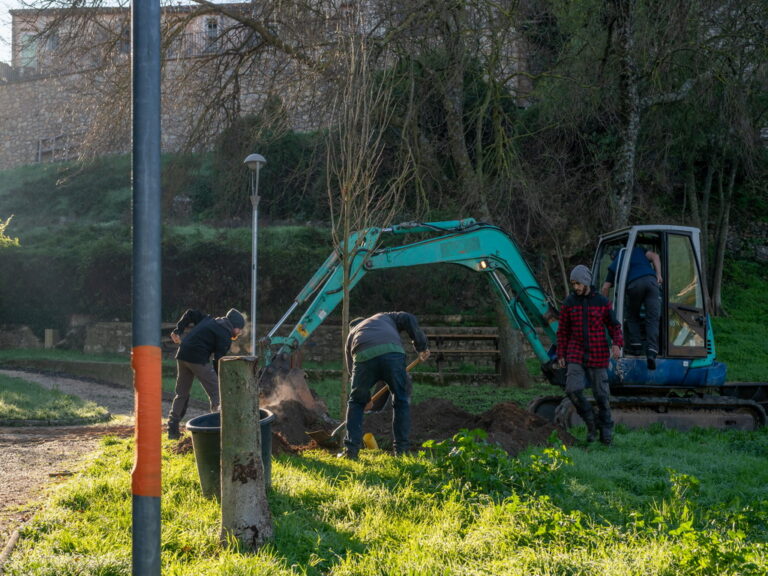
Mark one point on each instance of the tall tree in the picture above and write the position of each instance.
(461, 63)
(358, 195)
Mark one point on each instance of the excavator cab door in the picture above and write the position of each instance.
(686, 315)
(683, 325)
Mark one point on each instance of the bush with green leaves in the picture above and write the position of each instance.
(471, 464)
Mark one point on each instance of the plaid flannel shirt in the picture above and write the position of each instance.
(581, 335)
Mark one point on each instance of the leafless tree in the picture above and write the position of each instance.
(358, 197)
(466, 153)
(219, 61)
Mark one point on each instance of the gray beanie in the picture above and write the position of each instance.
(236, 318)
(582, 275)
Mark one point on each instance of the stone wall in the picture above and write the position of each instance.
(473, 346)
(108, 337)
(13, 337)
(39, 112)
(54, 118)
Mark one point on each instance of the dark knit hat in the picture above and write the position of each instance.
(582, 275)
(236, 318)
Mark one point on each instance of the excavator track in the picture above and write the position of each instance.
(679, 413)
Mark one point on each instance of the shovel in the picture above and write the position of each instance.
(375, 404)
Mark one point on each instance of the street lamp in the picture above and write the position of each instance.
(254, 163)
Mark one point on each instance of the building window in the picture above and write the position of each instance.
(52, 42)
(56, 148)
(28, 52)
(211, 34)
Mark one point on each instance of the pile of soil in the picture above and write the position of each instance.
(507, 424)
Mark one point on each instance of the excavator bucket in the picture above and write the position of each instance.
(284, 391)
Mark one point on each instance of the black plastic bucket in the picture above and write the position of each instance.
(206, 442)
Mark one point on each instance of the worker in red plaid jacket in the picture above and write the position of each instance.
(583, 346)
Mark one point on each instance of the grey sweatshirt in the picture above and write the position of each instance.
(380, 334)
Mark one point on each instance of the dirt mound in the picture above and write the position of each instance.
(507, 424)
(280, 445)
(293, 420)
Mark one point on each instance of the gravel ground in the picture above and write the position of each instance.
(34, 459)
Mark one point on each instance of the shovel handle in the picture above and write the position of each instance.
(379, 394)
(413, 364)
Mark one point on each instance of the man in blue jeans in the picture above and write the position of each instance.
(374, 352)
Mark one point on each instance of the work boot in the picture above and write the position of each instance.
(585, 412)
(173, 430)
(651, 360)
(347, 454)
(589, 420)
(606, 435)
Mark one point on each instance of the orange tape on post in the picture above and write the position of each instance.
(146, 362)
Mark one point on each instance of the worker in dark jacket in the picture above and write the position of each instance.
(374, 352)
(582, 346)
(643, 290)
(210, 336)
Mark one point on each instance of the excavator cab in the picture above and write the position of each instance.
(686, 350)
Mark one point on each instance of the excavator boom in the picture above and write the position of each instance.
(482, 248)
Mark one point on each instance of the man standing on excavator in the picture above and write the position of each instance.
(374, 351)
(582, 345)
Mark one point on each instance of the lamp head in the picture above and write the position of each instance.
(254, 161)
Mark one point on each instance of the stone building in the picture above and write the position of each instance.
(67, 92)
(68, 86)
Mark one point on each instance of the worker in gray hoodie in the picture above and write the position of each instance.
(374, 352)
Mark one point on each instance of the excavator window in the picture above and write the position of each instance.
(686, 316)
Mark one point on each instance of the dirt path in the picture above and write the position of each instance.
(36, 458)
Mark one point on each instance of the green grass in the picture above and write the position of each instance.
(169, 382)
(741, 334)
(655, 503)
(23, 400)
(54, 354)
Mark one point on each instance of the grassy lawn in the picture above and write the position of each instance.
(740, 334)
(656, 503)
(23, 400)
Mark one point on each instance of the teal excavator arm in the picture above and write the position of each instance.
(482, 248)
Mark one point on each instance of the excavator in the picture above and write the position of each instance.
(687, 389)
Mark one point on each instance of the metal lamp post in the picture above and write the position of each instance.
(254, 163)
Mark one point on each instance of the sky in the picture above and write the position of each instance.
(5, 28)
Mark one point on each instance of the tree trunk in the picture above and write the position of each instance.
(722, 237)
(244, 508)
(513, 371)
(624, 175)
